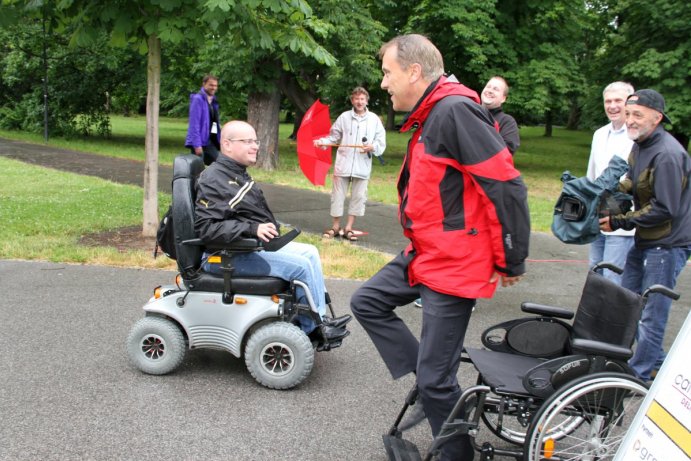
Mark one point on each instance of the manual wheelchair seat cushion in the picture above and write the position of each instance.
(186, 170)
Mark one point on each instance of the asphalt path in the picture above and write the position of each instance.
(67, 391)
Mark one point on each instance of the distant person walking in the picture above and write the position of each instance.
(658, 178)
(203, 131)
(355, 127)
(608, 141)
(493, 96)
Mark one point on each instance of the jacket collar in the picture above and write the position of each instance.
(654, 136)
(439, 89)
(231, 164)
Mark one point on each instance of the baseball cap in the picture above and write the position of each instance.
(649, 98)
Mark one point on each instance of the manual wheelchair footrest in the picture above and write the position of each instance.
(399, 449)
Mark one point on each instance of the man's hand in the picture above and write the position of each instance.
(267, 231)
(366, 148)
(198, 150)
(605, 225)
(318, 143)
(506, 281)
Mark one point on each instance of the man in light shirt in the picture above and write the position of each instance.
(608, 141)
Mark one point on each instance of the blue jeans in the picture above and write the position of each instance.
(646, 267)
(295, 261)
(610, 249)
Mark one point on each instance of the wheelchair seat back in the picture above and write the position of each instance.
(186, 170)
(607, 312)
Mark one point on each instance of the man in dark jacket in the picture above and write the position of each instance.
(493, 96)
(204, 128)
(231, 206)
(464, 208)
(658, 179)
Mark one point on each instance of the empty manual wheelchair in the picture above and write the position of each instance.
(254, 317)
(553, 390)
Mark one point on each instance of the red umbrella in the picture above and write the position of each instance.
(315, 162)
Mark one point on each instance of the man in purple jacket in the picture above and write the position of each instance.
(203, 132)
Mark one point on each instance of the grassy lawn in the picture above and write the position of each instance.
(39, 223)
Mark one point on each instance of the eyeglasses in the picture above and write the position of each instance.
(245, 141)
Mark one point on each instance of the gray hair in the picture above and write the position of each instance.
(624, 87)
(416, 49)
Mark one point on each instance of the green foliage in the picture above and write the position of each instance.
(652, 49)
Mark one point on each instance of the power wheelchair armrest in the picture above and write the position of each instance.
(248, 244)
(588, 346)
(549, 311)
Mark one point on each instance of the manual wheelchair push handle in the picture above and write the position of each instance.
(663, 290)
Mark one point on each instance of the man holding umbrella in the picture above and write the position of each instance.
(359, 134)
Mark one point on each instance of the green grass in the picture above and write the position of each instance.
(46, 222)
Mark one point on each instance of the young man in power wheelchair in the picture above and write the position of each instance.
(553, 390)
(275, 323)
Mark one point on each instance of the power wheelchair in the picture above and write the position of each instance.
(254, 317)
(553, 390)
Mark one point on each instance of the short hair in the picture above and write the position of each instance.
(359, 90)
(416, 48)
(208, 77)
(624, 87)
(506, 84)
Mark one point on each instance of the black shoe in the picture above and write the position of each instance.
(338, 322)
(332, 333)
(416, 415)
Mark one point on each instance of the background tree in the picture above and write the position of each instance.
(650, 46)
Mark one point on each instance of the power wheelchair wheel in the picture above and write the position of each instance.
(156, 345)
(279, 355)
(602, 404)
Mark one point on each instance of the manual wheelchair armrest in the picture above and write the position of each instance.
(588, 346)
(549, 311)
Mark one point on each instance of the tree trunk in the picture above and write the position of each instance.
(548, 124)
(263, 110)
(153, 83)
(574, 116)
(301, 98)
(299, 114)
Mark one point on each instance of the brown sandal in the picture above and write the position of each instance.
(332, 233)
(350, 235)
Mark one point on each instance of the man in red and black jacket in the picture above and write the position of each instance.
(463, 206)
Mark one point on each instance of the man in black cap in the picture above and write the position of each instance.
(658, 177)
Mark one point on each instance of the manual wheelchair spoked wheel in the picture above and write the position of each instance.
(604, 404)
(279, 355)
(156, 345)
(513, 422)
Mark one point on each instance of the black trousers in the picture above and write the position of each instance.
(209, 154)
(435, 358)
